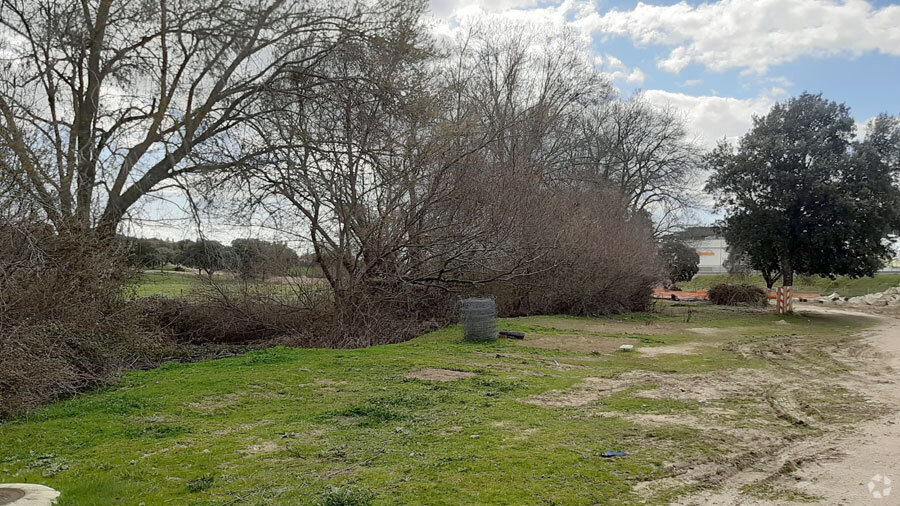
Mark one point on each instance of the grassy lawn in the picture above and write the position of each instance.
(526, 425)
(174, 284)
(165, 284)
(824, 286)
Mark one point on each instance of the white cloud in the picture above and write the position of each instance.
(753, 34)
(449, 7)
(452, 17)
(616, 70)
(636, 76)
(711, 118)
(449, 15)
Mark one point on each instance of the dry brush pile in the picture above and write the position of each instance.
(64, 323)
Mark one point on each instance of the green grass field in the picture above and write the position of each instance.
(526, 422)
(173, 284)
(813, 284)
(165, 284)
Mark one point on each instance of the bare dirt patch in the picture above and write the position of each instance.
(209, 404)
(242, 428)
(451, 430)
(258, 449)
(820, 441)
(582, 394)
(689, 387)
(744, 434)
(689, 348)
(215, 403)
(576, 342)
(706, 331)
(717, 331)
(533, 361)
(526, 433)
(873, 448)
(329, 382)
(434, 374)
(329, 385)
(701, 387)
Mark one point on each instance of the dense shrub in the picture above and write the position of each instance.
(738, 295)
(608, 266)
(682, 262)
(64, 323)
(225, 313)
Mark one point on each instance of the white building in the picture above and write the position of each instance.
(711, 247)
(713, 250)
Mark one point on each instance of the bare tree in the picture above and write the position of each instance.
(643, 152)
(375, 179)
(421, 170)
(103, 102)
(528, 87)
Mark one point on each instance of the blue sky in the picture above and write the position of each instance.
(719, 62)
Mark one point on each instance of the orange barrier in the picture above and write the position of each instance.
(661, 293)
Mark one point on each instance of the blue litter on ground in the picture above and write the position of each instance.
(608, 454)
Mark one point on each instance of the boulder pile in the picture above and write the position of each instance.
(889, 297)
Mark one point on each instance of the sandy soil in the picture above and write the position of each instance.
(875, 448)
(702, 387)
(688, 348)
(845, 467)
(576, 342)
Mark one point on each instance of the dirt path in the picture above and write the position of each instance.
(872, 451)
(838, 467)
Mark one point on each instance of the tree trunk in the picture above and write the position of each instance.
(787, 273)
(768, 278)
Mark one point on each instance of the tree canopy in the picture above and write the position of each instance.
(681, 261)
(800, 193)
(103, 103)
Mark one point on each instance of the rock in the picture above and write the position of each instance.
(27, 493)
(889, 297)
(781, 322)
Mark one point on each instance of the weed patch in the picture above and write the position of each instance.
(345, 496)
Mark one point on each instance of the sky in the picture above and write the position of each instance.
(720, 62)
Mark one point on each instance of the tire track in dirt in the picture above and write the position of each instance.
(837, 466)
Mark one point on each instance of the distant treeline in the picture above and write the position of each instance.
(249, 258)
